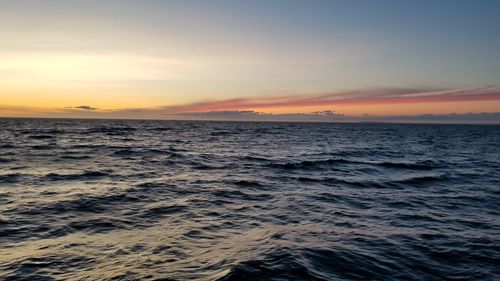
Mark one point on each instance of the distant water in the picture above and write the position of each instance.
(171, 200)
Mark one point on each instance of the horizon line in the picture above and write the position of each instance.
(406, 122)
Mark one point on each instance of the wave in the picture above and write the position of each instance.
(393, 184)
(333, 181)
(54, 132)
(247, 183)
(41, 147)
(110, 130)
(160, 129)
(98, 225)
(81, 205)
(203, 165)
(222, 133)
(125, 152)
(254, 159)
(93, 146)
(425, 165)
(82, 176)
(312, 264)
(239, 195)
(6, 146)
(41, 137)
(35, 266)
(423, 179)
(162, 210)
(5, 160)
(10, 178)
(76, 157)
(308, 164)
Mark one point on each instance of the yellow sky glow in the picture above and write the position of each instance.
(35, 83)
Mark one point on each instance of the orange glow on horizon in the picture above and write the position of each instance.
(460, 101)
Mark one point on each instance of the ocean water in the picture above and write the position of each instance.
(175, 200)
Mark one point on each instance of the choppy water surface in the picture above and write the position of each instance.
(171, 200)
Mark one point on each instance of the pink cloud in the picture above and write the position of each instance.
(360, 97)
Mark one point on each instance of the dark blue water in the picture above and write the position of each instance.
(171, 200)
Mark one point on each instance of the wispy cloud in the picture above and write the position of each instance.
(59, 70)
(359, 97)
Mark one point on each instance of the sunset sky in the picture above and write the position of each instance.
(154, 59)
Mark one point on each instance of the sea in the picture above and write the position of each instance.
(201, 200)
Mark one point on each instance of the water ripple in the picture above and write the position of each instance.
(179, 200)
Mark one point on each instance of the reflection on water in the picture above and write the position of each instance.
(165, 200)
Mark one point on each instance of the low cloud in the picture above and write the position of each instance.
(331, 116)
(467, 118)
(84, 107)
(249, 115)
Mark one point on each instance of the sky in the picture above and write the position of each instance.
(172, 59)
